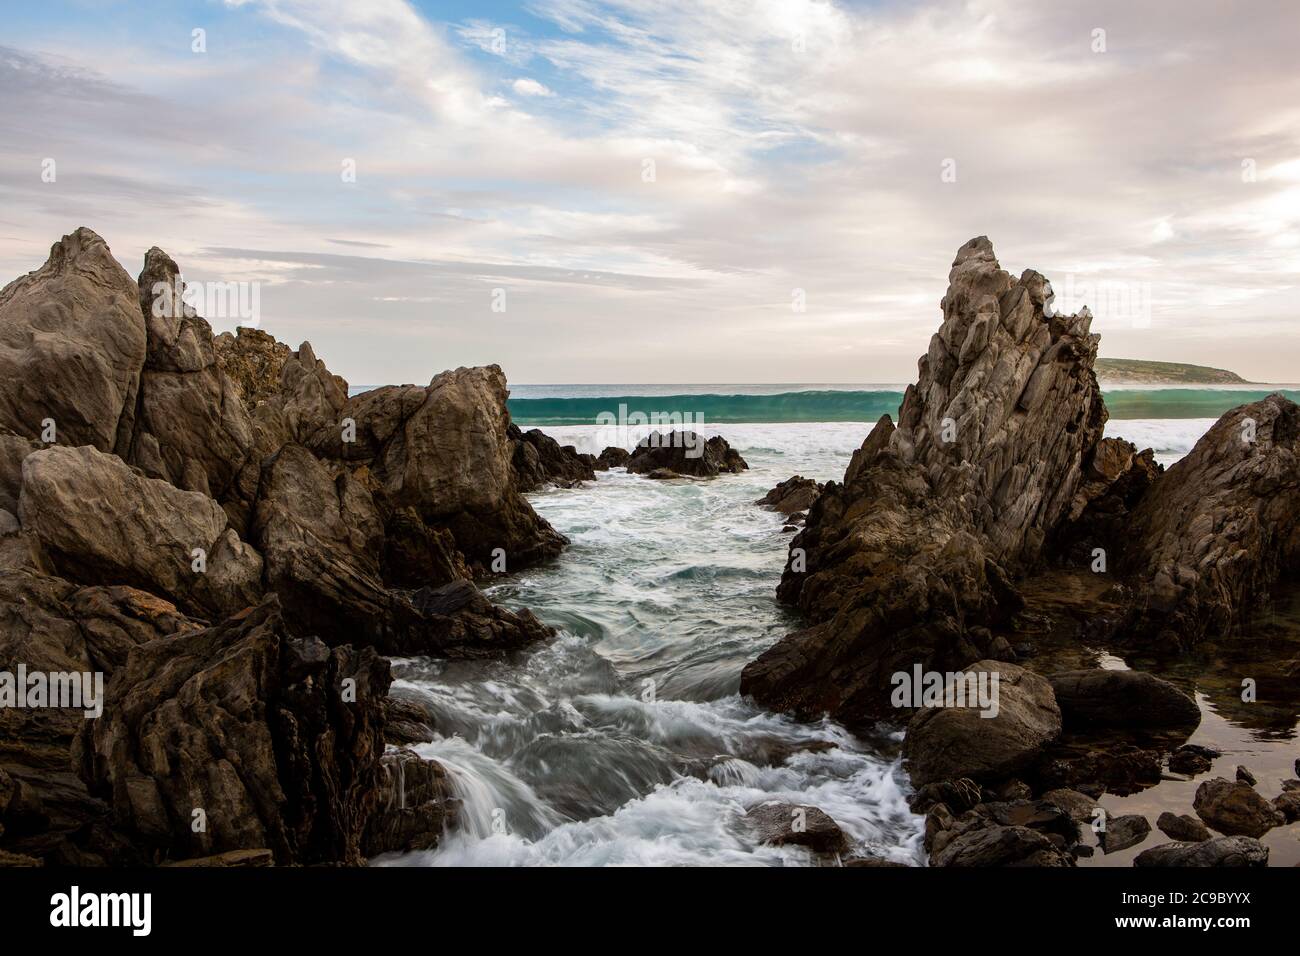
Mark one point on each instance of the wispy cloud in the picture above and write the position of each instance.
(651, 181)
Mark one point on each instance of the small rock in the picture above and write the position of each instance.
(1188, 760)
(1077, 806)
(1235, 808)
(1288, 804)
(1245, 776)
(1184, 828)
(1124, 832)
(783, 824)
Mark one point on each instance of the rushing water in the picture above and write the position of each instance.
(624, 740)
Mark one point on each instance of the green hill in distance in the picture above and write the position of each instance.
(1142, 372)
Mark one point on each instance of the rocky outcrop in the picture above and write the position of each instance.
(102, 523)
(253, 360)
(612, 457)
(1235, 809)
(916, 548)
(415, 804)
(792, 496)
(1115, 698)
(444, 451)
(241, 737)
(1226, 851)
(192, 428)
(53, 626)
(685, 454)
(1220, 528)
(1115, 479)
(540, 460)
(72, 348)
(950, 742)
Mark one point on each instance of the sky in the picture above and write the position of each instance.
(669, 190)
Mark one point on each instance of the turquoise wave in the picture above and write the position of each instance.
(844, 405)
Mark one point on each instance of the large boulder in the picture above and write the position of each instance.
(909, 560)
(102, 523)
(240, 737)
(1220, 528)
(1118, 698)
(949, 742)
(445, 452)
(787, 824)
(72, 347)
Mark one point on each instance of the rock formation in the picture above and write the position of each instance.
(684, 454)
(1219, 529)
(217, 529)
(911, 557)
(540, 460)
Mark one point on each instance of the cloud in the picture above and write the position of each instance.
(659, 177)
(526, 86)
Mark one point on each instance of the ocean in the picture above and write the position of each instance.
(625, 740)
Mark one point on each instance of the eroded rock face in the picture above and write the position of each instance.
(276, 740)
(540, 460)
(1219, 529)
(947, 743)
(445, 452)
(52, 625)
(901, 562)
(685, 453)
(415, 804)
(101, 523)
(72, 347)
(253, 360)
(193, 429)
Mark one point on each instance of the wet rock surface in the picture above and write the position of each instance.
(686, 454)
(785, 824)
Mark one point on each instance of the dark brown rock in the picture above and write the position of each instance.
(1001, 846)
(540, 460)
(944, 743)
(1124, 832)
(1219, 528)
(276, 740)
(415, 804)
(920, 541)
(685, 453)
(612, 457)
(1120, 698)
(1235, 809)
(1226, 851)
(1182, 827)
(782, 824)
(792, 496)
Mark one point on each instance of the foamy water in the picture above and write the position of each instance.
(624, 740)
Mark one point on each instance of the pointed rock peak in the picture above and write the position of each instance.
(979, 249)
(85, 250)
